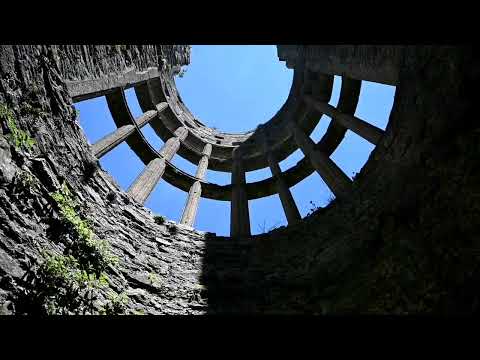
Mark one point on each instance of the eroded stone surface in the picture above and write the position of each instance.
(404, 241)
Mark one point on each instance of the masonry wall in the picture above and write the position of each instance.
(159, 264)
(378, 63)
(405, 241)
(82, 62)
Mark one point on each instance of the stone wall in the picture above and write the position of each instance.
(159, 264)
(378, 63)
(82, 62)
(405, 241)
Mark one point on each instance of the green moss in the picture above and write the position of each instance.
(18, 137)
(139, 312)
(154, 279)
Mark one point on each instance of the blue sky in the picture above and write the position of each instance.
(235, 88)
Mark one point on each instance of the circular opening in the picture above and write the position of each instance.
(374, 105)
(241, 86)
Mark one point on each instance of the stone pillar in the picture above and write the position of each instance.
(333, 176)
(144, 184)
(239, 215)
(369, 132)
(110, 141)
(203, 164)
(172, 145)
(288, 203)
(191, 207)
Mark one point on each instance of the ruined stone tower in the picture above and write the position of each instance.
(400, 238)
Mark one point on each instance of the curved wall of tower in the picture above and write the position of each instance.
(400, 238)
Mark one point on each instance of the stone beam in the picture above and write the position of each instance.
(288, 203)
(87, 89)
(239, 214)
(333, 176)
(191, 207)
(110, 141)
(369, 132)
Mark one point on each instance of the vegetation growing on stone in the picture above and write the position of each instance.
(26, 179)
(405, 243)
(160, 220)
(314, 207)
(23, 181)
(93, 251)
(182, 73)
(19, 137)
(139, 312)
(263, 228)
(116, 305)
(68, 283)
(153, 278)
(59, 286)
(27, 108)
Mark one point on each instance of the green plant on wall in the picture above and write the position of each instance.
(182, 73)
(159, 219)
(88, 248)
(154, 279)
(23, 180)
(69, 283)
(116, 304)
(26, 179)
(19, 137)
(59, 286)
(313, 207)
(27, 108)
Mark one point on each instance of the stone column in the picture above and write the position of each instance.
(288, 203)
(239, 215)
(144, 184)
(172, 145)
(369, 132)
(191, 207)
(333, 176)
(110, 141)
